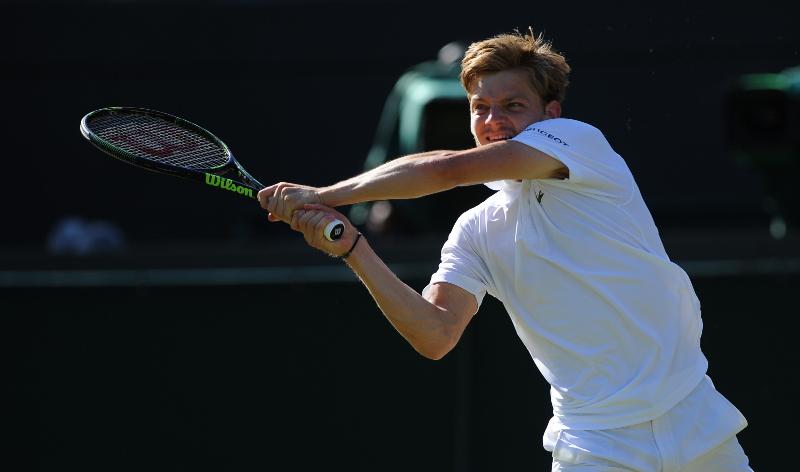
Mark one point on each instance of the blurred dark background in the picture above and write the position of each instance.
(151, 323)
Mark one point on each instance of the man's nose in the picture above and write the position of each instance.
(495, 115)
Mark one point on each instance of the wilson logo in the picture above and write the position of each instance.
(228, 184)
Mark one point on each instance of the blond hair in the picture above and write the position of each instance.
(547, 69)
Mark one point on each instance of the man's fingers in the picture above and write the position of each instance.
(295, 222)
(323, 208)
(307, 224)
(268, 198)
(277, 204)
(265, 194)
(312, 222)
(263, 197)
(285, 203)
(281, 200)
(301, 220)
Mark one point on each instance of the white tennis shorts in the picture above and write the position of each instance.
(697, 435)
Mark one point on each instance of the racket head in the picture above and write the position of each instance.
(155, 140)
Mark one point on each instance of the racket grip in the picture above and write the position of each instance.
(334, 230)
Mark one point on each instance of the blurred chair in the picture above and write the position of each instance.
(762, 128)
(426, 110)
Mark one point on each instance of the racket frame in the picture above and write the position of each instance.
(230, 176)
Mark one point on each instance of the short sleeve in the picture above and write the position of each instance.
(593, 165)
(460, 264)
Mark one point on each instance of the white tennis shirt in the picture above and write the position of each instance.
(612, 324)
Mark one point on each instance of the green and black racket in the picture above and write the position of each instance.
(164, 143)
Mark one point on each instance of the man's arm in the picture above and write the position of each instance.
(432, 323)
(417, 175)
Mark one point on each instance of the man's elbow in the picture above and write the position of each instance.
(436, 341)
(434, 355)
(436, 351)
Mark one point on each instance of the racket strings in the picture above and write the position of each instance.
(159, 140)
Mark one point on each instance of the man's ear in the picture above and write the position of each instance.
(553, 109)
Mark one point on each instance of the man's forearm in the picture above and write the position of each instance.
(418, 175)
(402, 178)
(431, 330)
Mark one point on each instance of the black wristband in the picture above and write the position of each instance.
(347, 254)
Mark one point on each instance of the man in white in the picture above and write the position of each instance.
(570, 248)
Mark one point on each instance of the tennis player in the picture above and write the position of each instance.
(570, 248)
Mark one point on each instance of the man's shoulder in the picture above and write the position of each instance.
(562, 130)
(568, 123)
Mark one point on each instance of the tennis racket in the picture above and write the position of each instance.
(164, 143)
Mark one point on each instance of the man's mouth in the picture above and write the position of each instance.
(498, 137)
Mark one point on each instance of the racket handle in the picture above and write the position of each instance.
(334, 230)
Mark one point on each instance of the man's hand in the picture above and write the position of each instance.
(312, 219)
(282, 199)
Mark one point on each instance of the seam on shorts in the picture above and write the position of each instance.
(658, 447)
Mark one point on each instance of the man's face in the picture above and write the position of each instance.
(502, 104)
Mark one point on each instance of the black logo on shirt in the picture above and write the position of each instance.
(539, 196)
(547, 135)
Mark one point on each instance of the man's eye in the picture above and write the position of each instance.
(515, 105)
(478, 108)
